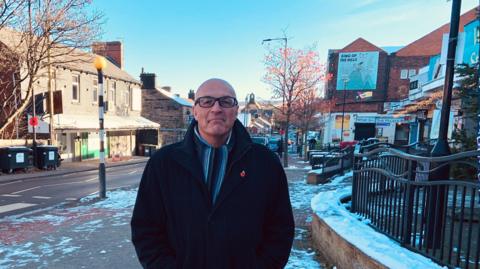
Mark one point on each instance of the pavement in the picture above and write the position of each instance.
(69, 168)
(95, 233)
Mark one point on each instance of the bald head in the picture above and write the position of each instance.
(215, 85)
(215, 122)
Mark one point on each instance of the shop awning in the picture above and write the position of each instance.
(111, 123)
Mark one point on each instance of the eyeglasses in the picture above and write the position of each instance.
(209, 101)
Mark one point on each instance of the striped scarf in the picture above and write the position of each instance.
(214, 162)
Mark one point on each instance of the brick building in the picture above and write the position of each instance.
(388, 110)
(418, 74)
(356, 93)
(171, 111)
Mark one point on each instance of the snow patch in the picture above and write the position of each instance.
(326, 204)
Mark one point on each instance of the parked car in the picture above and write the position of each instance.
(273, 143)
(260, 140)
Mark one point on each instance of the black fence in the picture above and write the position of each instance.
(438, 218)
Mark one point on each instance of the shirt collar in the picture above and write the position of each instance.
(205, 143)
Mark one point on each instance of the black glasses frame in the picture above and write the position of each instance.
(221, 101)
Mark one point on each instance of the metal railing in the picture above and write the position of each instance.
(417, 148)
(333, 162)
(437, 218)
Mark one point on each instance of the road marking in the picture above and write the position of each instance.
(11, 195)
(92, 193)
(133, 172)
(26, 190)
(15, 206)
(91, 179)
(13, 182)
(41, 197)
(71, 199)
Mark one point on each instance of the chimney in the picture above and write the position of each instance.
(149, 80)
(191, 95)
(113, 51)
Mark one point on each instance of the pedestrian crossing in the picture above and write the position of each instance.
(41, 197)
(35, 197)
(8, 205)
(14, 206)
(11, 195)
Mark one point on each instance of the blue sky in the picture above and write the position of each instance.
(187, 42)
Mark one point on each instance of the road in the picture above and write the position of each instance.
(32, 194)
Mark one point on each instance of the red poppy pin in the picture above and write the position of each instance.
(243, 174)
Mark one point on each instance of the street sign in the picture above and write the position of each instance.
(41, 127)
(33, 121)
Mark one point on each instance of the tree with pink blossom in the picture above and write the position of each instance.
(291, 73)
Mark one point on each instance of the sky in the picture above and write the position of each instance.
(188, 42)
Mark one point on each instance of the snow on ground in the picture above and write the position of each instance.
(291, 167)
(300, 259)
(33, 239)
(301, 193)
(326, 204)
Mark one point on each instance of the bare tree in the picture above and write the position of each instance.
(291, 72)
(41, 34)
(8, 9)
(305, 110)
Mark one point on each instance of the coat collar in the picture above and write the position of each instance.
(242, 140)
(186, 156)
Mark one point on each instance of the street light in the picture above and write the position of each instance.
(345, 80)
(477, 39)
(285, 40)
(245, 112)
(100, 64)
(436, 202)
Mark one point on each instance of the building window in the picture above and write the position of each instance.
(412, 72)
(76, 88)
(414, 85)
(404, 74)
(112, 92)
(127, 98)
(95, 91)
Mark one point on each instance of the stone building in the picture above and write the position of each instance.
(75, 88)
(171, 111)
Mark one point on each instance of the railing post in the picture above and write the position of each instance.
(408, 214)
(356, 165)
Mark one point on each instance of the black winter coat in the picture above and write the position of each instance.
(174, 224)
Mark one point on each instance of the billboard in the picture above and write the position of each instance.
(357, 70)
(470, 51)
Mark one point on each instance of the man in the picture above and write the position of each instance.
(311, 143)
(280, 147)
(215, 200)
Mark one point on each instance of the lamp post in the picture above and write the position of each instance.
(477, 39)
(441, 148)
(245, 114)
(100, 64)
(285, 40)
(345, 80)
(436, 201)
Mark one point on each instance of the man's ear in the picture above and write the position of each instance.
(194, 113)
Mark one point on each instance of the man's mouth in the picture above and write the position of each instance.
(213, 120)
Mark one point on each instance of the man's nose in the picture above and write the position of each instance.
(216, 106)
